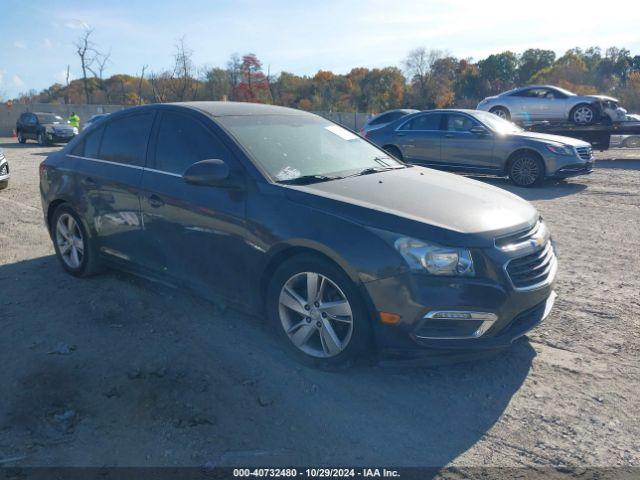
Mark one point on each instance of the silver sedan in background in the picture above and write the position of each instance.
(546, 102)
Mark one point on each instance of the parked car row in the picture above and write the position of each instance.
(346, 248)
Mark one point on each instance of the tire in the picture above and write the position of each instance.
(583, 114)
(631, 142)
(526, 170)
(21, 138)
(501, 112)
(315, 343)
(394, 152)
(42, 140)
(85, 262)
(4, 184)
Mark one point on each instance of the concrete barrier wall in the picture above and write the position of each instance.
(8, 116)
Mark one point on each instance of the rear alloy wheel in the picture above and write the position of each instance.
(318, 313)
(501, 112)
(583, 114)
(72, 244)
(526, 170)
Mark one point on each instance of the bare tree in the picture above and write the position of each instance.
(66, 91)
(144, 67)
(86, 51)
(183, 72)
(234, 69)
(418, 65)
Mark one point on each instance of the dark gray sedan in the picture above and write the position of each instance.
(282, 212)
(480, 142)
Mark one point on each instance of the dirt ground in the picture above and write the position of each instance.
(118, 371)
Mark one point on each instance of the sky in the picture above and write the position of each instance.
(299, 36)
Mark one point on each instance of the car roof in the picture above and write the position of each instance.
(225, 109)
(44, 113)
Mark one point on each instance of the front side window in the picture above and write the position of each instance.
(427, 122)
(292, 146)
(125, 139)
(183, 141)
(459, 123)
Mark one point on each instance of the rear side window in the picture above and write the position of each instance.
(125, 139)
(183, 141)
(381, 119)
(424, 122)
(88, 146)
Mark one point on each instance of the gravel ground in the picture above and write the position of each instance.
(118, 371)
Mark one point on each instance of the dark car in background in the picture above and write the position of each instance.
(45, 128)
(279, 210)
(4, 171)
(385, 118)
(480, 142)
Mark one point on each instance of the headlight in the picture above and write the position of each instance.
(434, 259)
(560, 149)
(75, 130)
(48, 129)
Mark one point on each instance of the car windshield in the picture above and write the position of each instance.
(49, 118)
(304, 146)
(495, 123)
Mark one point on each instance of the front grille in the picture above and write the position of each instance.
(4, 169)
(518, 240)
(585, 153)
(532, 270)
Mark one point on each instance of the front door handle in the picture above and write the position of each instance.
(448, 135)
(155, 201)
(89, 182)
(401, 134)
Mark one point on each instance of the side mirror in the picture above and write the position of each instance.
(479, 130)
(214, 172)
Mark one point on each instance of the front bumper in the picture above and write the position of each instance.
(4, 172)
(56, 138)
(415, 297)
(574, 170)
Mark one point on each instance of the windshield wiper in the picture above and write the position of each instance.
(308, 179)
(370, 170)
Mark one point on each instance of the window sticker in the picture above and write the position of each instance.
(341, 132)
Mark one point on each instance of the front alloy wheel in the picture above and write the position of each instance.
(526, 171)
(316, 315)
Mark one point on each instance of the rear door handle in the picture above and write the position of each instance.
(155, 201)
(448, 135)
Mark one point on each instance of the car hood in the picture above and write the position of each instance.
(412, 200)
(602, 98)
(549, 138)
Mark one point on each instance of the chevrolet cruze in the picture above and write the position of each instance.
(275, 210)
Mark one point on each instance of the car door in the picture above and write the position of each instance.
(556, 105)
(419, 138)
(463, 148)
(194, 232)
(109, 167)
